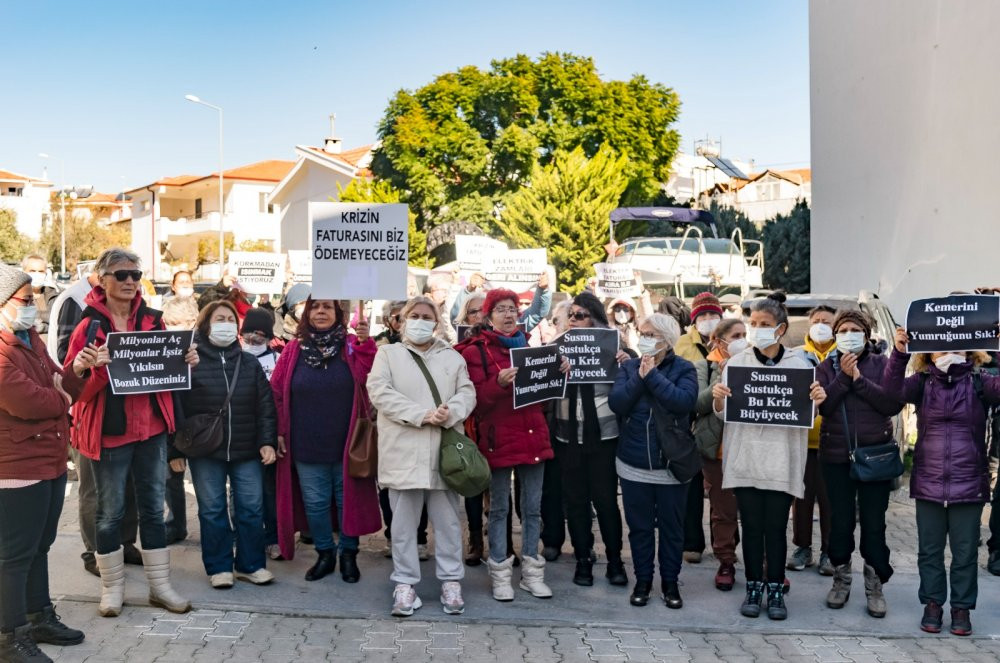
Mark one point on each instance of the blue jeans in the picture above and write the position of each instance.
(217, 533)
(145, 461)
(531, 477)
(650, 507)
(322, 484)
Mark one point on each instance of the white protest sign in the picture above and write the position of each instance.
(258, 273)
(359, 251)
(470, 249)
(300, 262)
(515, 267)
(616, 280)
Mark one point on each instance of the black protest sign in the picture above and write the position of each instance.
(462, 332)
(538, 376)
(958, 323)
(144, 362)
(770, 396)
(592, 353)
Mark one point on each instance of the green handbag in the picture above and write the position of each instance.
(462, 467)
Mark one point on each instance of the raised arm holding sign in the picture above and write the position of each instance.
(959, 323)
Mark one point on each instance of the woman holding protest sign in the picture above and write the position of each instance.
(586, 439)
(34, 398)
(317, 374)
(405, 383)
(512, 441)
(127, 434)
(950, 478)
(229, 380)
(654, 396)
(857, 412)
(765, 464)
(728, 339)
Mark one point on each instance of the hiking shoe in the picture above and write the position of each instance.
(873, 591)
(725, 577)
(776, 601)
(692, 556)
(825, 567)
(754, 597)
(222, 580)
(837, 597)
(18, 647)
(274, 552)
(46, 626)
(405, 601)
(932, 619)
(451, 598)
(800, 559)
(258, 577)
(961, 621)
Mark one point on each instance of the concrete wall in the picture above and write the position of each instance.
(313, 184)
(905, 134)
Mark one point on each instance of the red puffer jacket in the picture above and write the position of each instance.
(507, 437)
(88, 412)
(34, 427)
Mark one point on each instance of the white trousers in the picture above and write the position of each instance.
(443, 514)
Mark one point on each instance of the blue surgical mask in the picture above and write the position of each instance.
(852, 342)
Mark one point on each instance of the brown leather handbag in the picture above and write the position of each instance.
(362, 451)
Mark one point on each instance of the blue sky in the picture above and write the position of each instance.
(102, 84)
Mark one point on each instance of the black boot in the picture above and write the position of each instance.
(90, 563)
(776, 601)
(640, 594)
(349, 570)
(755, 595)
(584, 575)
(48, 628)
(18, 647)
(324, 566)
(671, 595)
(615, 572)
(132, 554)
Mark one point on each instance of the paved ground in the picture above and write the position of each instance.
(293, 620)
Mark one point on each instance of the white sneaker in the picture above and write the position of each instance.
(423, 552)
(405, 601)
(258, 577)
(274, 552)
(222, 580)
(451, 598)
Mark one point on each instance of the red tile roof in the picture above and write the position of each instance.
(11, 176)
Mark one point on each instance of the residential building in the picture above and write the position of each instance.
(172, 215)
(28, 198)
(694, 173)
(764, 195)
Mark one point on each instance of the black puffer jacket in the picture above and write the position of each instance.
(252, 421)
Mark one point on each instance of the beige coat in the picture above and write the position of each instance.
(407, 450)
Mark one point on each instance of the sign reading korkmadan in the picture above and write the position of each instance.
(148, 361)
(958, 323)
(771, 396)
(538, 376)
(592, 353)
(258, 273)
(359, 251)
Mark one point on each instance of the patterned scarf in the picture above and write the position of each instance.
(323, 346)
(515, 340)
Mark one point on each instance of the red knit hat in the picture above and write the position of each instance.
(494, 297)
(705, 302)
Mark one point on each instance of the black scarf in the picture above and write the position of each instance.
(591, 424)
(322, 346)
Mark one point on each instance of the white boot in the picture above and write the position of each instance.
(500, 573)
(157, 566)
(112, 568)
(533, 577)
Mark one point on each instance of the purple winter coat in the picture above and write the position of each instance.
(869, 406)
(949, 462)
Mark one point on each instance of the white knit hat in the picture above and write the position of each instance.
(12, 279)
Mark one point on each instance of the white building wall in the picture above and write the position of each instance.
(30, 207)
(904, 130)
(313, 184)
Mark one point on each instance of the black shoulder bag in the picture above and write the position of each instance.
(203, 434)
(677, 443)
(879, 462)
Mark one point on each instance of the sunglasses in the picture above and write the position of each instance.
(122, 275)
(579, 315)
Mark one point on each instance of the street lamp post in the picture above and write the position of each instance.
(62, 211)
(222, 212)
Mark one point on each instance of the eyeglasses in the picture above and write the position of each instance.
(650, 337)
(504, 310)
(474, 311)
(122, 275)
(394, 318)
(579, 315)
(25, 301)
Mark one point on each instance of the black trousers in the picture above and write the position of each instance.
(176, 520)
(694, 530)
(870, 500)
(553, 516)
(763, 518)
(589, 477)
(993, 543)
(29, 518)
(383, 502)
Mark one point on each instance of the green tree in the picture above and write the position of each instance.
(14, 245)
(86, 236)
(565, 209)
(363, 190)
(786, 250)
(463, 143)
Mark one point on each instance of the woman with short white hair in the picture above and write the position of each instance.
(420, 387)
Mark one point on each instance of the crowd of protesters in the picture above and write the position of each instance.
(296, 381)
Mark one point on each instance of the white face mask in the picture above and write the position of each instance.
(706, 327)
(419, 331)
(762, 337)
(25, 319)
(853, 342)
(37, 279)
(821, 332)
(256, 349)
(622, 317)
(222, 334)
(185, 292)
(648, 346)
(736, 346)
(944, 362)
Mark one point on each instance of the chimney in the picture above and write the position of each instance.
(332, 144)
